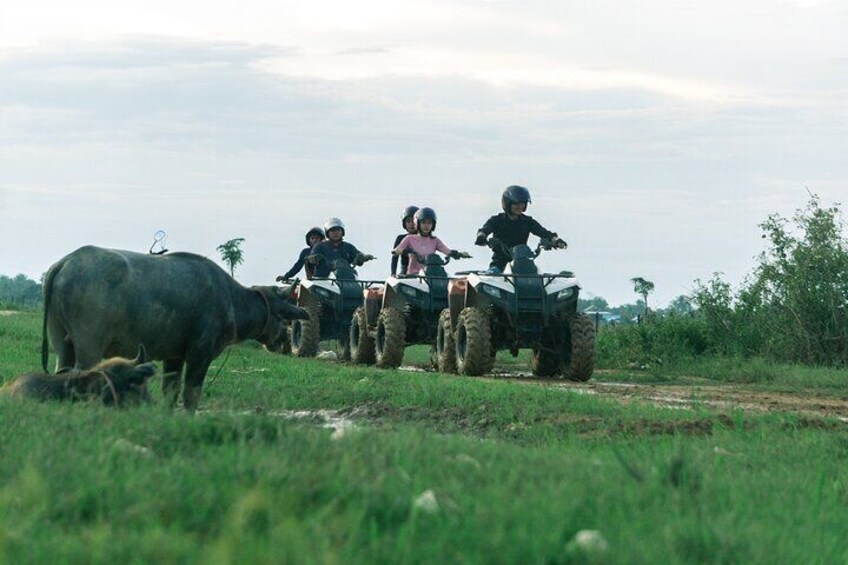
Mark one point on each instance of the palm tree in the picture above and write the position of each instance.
(642, 287)
(231, 254)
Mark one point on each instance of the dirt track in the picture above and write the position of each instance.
(710, 395)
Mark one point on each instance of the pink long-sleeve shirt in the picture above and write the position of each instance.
(423, 245)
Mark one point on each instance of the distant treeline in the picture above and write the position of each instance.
(19, 292)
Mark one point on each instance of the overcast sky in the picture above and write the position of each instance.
(653, 136)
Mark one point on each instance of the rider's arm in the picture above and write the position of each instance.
(298, 265)
(488, 228)
(440, 246)
(537, 230)
(398, 239)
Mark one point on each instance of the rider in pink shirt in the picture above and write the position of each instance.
(424, 242)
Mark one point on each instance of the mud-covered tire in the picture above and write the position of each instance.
(361, 343)
(282, 344)
(473, 339)
(305, 334)
(545, 363)
(578, 359)
(343, 348)
(445, 348)
(390, 338)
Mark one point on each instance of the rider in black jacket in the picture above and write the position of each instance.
(313, 237)
(408, 223)
(325, 253)
(513, 227)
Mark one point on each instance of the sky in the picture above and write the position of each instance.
(654, 136)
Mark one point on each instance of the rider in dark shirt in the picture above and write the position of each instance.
(324, 254)
(513, 227)
(408, 223)
(313, 237)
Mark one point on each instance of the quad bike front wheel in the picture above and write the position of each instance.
(361, 343)
(305, 334)
(578, 358)
(445, 348)
(390, 338)
(473, 342)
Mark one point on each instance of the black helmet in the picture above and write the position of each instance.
(425, 214)
(514, 194)
(314, 231)
(408, 212)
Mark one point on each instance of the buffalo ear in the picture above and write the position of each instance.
(142, 355)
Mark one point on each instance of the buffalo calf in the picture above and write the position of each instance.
(115, 382)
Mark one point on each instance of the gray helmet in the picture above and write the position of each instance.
(333, 223)
(514, 194)
(314, 231)
(425, 214)
(408, 212)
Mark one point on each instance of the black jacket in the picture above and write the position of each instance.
(512, 233)
(404, 258)
(301, 260)
(330, 253)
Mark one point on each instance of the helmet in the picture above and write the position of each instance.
(333, 223)
(408, 212)
(514, 194)
(425, 214)
(314, 231)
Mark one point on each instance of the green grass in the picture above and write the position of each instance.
(516, 470)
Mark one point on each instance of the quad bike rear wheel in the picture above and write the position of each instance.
(445, 348)
(390, 339)
(361, 343)
(473, 342)
(578, 358)
(305, 334)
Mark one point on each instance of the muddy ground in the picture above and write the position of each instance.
(699, 392)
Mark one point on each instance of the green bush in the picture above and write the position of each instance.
(794, 306)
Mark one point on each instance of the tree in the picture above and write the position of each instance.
(643, 288)
(681, 305)
(231, 254)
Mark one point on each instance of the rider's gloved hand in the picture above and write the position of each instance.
(454, 254)
(558, 242)
(481, 238)
(362, 258)
(280, 278)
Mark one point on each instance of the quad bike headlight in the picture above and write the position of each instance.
(492, 291)
(409, 291)
(322, 291)
(565, 293)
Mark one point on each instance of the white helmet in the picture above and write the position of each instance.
(333, 223)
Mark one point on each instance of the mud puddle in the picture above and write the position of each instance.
(340, 421)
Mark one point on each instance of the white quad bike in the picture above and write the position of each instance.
(519, 308)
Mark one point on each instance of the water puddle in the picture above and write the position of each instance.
(331, 419)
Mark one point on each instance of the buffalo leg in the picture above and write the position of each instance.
(172, 372)
(194, 374)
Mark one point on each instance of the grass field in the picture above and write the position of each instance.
(421, 467)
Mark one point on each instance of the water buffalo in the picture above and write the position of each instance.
(115, 382)
(184, 308)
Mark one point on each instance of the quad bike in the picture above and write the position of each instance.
(519, 308)
(330, 302)
(406, 311)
